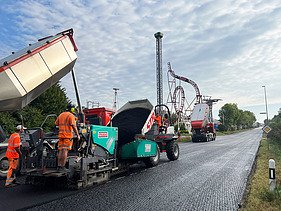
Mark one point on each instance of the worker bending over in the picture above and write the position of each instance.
(67, 124)
(13, 153)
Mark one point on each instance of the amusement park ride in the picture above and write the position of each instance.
(176, 97)
(197, 115)
(198, 119)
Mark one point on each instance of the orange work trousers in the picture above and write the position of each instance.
(13, 165)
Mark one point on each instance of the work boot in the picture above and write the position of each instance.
(64, 169)
(10, 185)
(13, 176)
(61, 169)
(16, 182)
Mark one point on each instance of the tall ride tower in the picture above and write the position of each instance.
(159, 75)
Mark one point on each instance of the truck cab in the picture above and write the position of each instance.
(98, 116)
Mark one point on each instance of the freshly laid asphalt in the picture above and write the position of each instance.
(207, 176)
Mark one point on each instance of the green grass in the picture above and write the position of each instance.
(185, 138)
(258, 196)
(223, 133)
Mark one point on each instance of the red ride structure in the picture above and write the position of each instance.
(201, 117)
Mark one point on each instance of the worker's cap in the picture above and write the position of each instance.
(19, 127)
(71, 107)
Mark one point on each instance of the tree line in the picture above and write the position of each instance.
(233, 118)
(52, 101)
(275, 125)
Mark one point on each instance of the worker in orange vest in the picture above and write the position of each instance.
(67, 124)
(13, 153)
(158, 119)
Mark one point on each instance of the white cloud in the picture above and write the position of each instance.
(229, 48)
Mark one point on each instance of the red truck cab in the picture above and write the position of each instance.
(98, 116)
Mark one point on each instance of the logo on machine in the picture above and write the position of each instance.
(150, 122)
(147, 148)
(102, 134)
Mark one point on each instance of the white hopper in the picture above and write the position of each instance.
(26, 74)
(133, 118)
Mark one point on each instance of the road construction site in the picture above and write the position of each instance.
(126, 159)
(207, 176)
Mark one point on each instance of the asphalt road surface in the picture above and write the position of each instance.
(207, 176)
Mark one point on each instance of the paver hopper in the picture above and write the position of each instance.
(135, 117)
(26, 74)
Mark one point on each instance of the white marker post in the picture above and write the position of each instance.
(272, 180)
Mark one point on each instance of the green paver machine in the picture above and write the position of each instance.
(132, 138)
(140, 137)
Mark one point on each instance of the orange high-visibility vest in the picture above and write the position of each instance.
(65, 121)
(158, 120)
(13, 142)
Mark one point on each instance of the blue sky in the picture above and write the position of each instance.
(229, 48)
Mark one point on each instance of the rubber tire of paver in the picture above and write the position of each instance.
(153, 161)
(214, 136)
(172, 150)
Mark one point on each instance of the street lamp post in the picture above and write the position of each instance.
(115, 98)
(266, 110)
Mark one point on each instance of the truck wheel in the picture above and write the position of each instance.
(4, 165)
(214, 136)
(205, 138)
(194, 139)
(172, 150)
(153, 161)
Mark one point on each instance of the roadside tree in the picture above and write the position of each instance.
(229, 115)
(52, 101)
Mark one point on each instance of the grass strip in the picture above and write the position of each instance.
(258, 196)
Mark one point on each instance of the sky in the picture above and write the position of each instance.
(229, 48)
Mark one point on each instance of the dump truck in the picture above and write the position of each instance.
(133, 137)
(202, 121)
